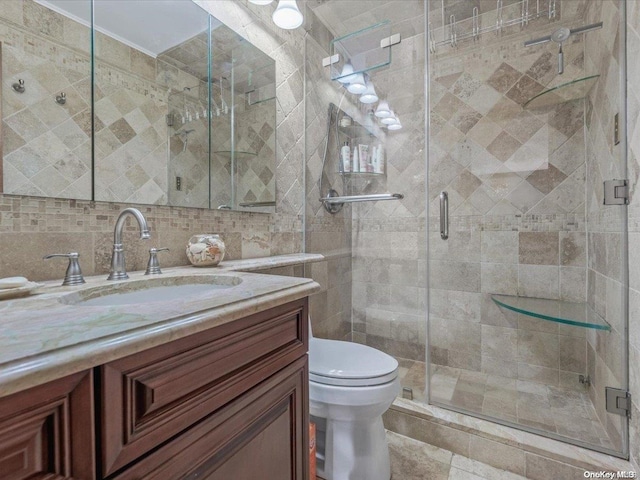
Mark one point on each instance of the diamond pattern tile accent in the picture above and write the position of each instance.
(466, 183)
(546, 179)
(448, 106)
(501, 158)
(504, 78)
(504, 146)
(524, 89)
(465, 119)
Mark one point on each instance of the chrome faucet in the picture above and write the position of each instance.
(118, 269)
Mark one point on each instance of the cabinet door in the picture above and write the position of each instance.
(263, 434)
(150, 397)
(47, 432)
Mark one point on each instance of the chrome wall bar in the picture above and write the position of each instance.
(362, 198)
(444, 215)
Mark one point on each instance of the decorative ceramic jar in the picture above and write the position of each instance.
(205, 250)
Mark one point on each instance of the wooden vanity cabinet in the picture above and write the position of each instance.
(227, 403)
(47, 432)
(150, 398)
(255, 436)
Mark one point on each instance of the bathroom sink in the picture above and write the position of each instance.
(151, 290)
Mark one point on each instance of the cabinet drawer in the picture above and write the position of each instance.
(149, 397)
(262, 434)
(47, 432)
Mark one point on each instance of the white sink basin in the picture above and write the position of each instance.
(151, 290)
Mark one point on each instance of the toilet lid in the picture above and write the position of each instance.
(333, 362)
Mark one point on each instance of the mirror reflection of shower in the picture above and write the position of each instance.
(184, 136)
(193, 108)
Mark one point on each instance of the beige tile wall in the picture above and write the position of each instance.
(633, 155)
(190, 162)
(605, 224)
(516, 181)
(389, 238)
(130, 127)
(327, 234)
(47, 146)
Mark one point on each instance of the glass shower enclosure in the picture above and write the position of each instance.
(499, 280)
(527, 304)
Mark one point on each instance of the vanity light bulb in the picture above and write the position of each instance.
(395, 126)
(369, 95)
(390, 120)
(261, 2)
(287, 15)
(383, 110)
(357, 86)
(347, 75)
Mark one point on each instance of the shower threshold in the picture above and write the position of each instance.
(562, 414)
(515, 450)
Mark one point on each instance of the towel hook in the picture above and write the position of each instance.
(19, 86)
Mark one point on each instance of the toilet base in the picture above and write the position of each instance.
(352, 450)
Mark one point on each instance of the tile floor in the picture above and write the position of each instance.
(414, 460)
(564, 412)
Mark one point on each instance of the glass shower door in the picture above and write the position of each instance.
(527, 266)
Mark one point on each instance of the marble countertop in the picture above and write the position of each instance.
(45, 338)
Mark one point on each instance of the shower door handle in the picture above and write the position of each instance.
(444, 215)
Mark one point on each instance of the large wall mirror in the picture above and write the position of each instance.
(183, 113)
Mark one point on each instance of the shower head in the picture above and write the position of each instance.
(561, 35)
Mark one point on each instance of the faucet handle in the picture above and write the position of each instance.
(153, 266)
(73, 275)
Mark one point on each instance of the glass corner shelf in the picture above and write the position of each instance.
(362, 174)
(568, 313)
(565, 92)
(362, 49)
(238, 154)
(257, 102)
(357, 131)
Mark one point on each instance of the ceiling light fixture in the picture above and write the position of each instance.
(261, 2)
(287, 15)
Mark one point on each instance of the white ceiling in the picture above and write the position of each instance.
(152, 27)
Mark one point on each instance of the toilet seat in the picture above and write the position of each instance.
(333, 362)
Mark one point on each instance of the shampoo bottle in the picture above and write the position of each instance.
(374, 158)
(381, 160)
(356, 162)
(345, 157)
(364, 158)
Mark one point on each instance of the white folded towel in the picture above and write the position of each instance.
(13, 282)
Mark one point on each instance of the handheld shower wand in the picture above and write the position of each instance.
(560, 36)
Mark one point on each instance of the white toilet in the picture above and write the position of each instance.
(350, 387)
